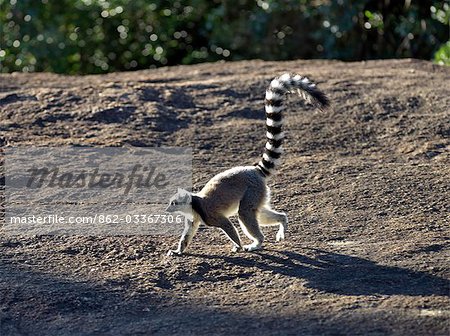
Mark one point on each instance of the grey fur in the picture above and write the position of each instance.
(243, 191)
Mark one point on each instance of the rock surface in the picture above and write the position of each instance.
(365, 185)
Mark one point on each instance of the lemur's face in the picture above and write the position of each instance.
(180, 202)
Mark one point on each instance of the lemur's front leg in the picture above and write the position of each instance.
(190, 229)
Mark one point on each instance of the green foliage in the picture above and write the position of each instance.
(442, 56)
(98, 36)
(442, 14)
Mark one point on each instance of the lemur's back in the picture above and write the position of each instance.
(225, 190)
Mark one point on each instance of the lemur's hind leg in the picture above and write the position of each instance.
(248, 220)
(190, 229)
(250, 226)
(268, 217)
(229, 229)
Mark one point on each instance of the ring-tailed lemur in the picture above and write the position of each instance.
(243, 190)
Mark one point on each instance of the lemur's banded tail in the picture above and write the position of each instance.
(274, 114)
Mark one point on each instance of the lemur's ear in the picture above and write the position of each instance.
(185, 194)
(182, 191)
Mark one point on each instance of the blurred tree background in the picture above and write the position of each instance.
(98, 36)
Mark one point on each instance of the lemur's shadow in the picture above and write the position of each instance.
(341, 274)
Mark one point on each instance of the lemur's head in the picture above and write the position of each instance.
(180, 202)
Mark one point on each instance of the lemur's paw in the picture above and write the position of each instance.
(174, 253)
(252, 247)
(280, 235)
(236, 248)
